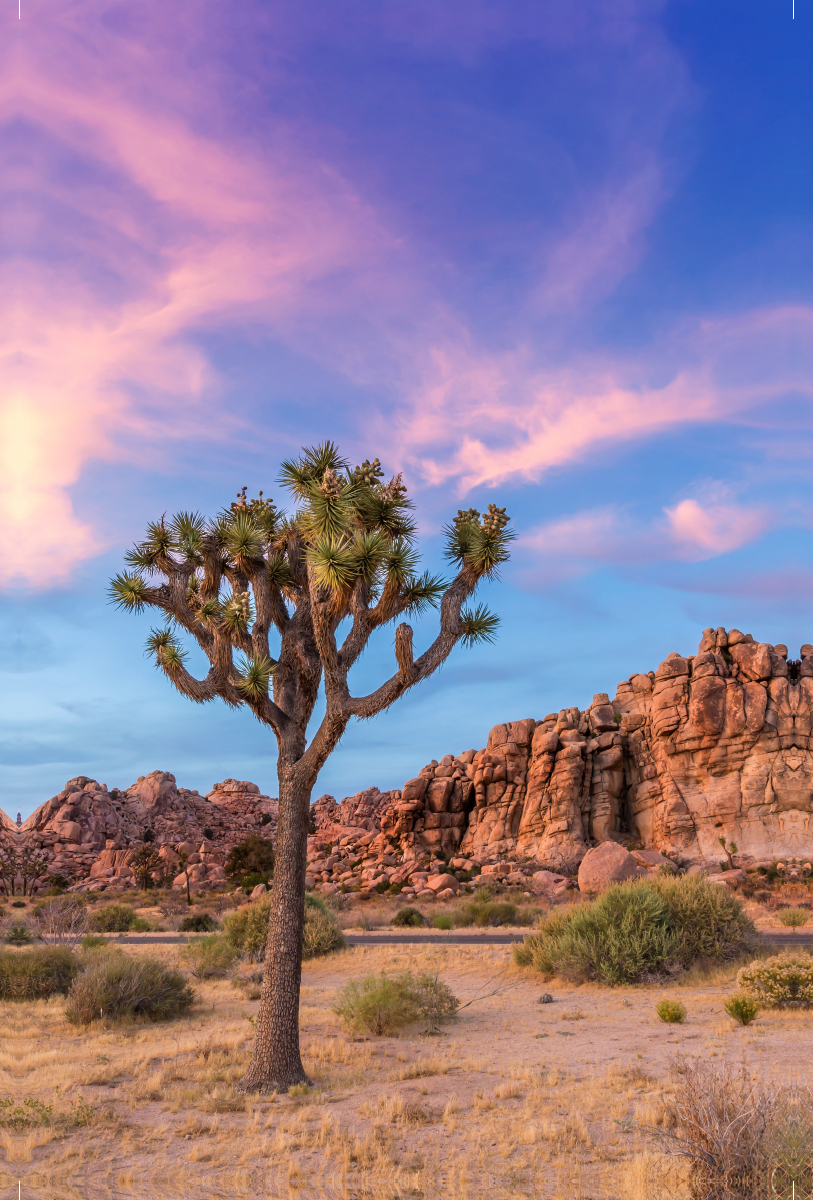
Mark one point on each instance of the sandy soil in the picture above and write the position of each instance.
(516, 1098)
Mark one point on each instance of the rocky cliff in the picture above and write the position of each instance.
(715, 744)
(710, 745)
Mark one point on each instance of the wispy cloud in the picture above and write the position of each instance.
(695, 529)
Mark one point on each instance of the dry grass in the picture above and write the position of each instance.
(511, 1100)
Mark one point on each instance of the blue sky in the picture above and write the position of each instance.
(557, 257)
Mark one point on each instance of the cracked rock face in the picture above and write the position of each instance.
(715, 744)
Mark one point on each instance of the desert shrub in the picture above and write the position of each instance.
(742, 1008)
(253, 857)
(198, 923)
(247, 928)
(640, 931)
(671, 1011)
(443, 921)
(19, 934)
(436, 1001)
(383, 1004)
(92, 941)
(38, 973)
(407, 917)
(709, 918)
(145, 925)
(724, 1125)
(19, 904)
(209, 957)
(114, 986)
(485, 912)
(62, 920)
(784, 979)
(112, 918)
(793, 918)
(378, 1004)
(322, 933)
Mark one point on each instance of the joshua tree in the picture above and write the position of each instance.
(322, 581)
(144, 861)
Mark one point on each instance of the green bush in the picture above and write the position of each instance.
(114, 986)
(18, 934)
(254, 857)
(247, 928)
(671, 1011)
(112, 918)
(92, 941)
(486, 913)
(383, 1004)
(793, 918)
(784, 979)
(640, 931)
(443, 921)
(742, 1009)
(198, 923)
(322, 934)
(209, 957)
(407, 917)
(37, 974)
(145, 925)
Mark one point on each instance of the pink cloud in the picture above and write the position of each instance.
(694, 530)
(705, 531)
(497, 418)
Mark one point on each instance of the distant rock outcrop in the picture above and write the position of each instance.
(715, 745)
(88, 834)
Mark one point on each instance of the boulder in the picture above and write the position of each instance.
(438, 883)
(604, 865)
(259, 891)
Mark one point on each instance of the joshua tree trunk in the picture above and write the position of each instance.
(276, 1063)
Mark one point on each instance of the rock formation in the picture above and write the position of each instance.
(715, 745)
(88, 834)
(712, 745)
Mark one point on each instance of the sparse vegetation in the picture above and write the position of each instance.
(112, 918)
(252, 861)
(209, 957)
(198, 923)
(247, 928)
(114, 986)
(38, 973)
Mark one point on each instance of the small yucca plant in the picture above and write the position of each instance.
(741, 1008)
(671, 1011)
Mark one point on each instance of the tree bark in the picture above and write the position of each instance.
(276, 1064)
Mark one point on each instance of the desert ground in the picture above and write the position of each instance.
(513, 1098)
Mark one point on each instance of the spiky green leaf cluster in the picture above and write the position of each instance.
(479, 545)
(167, 649)
(255, 677)
(478, 625)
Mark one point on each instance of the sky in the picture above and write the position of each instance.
(555, 257)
